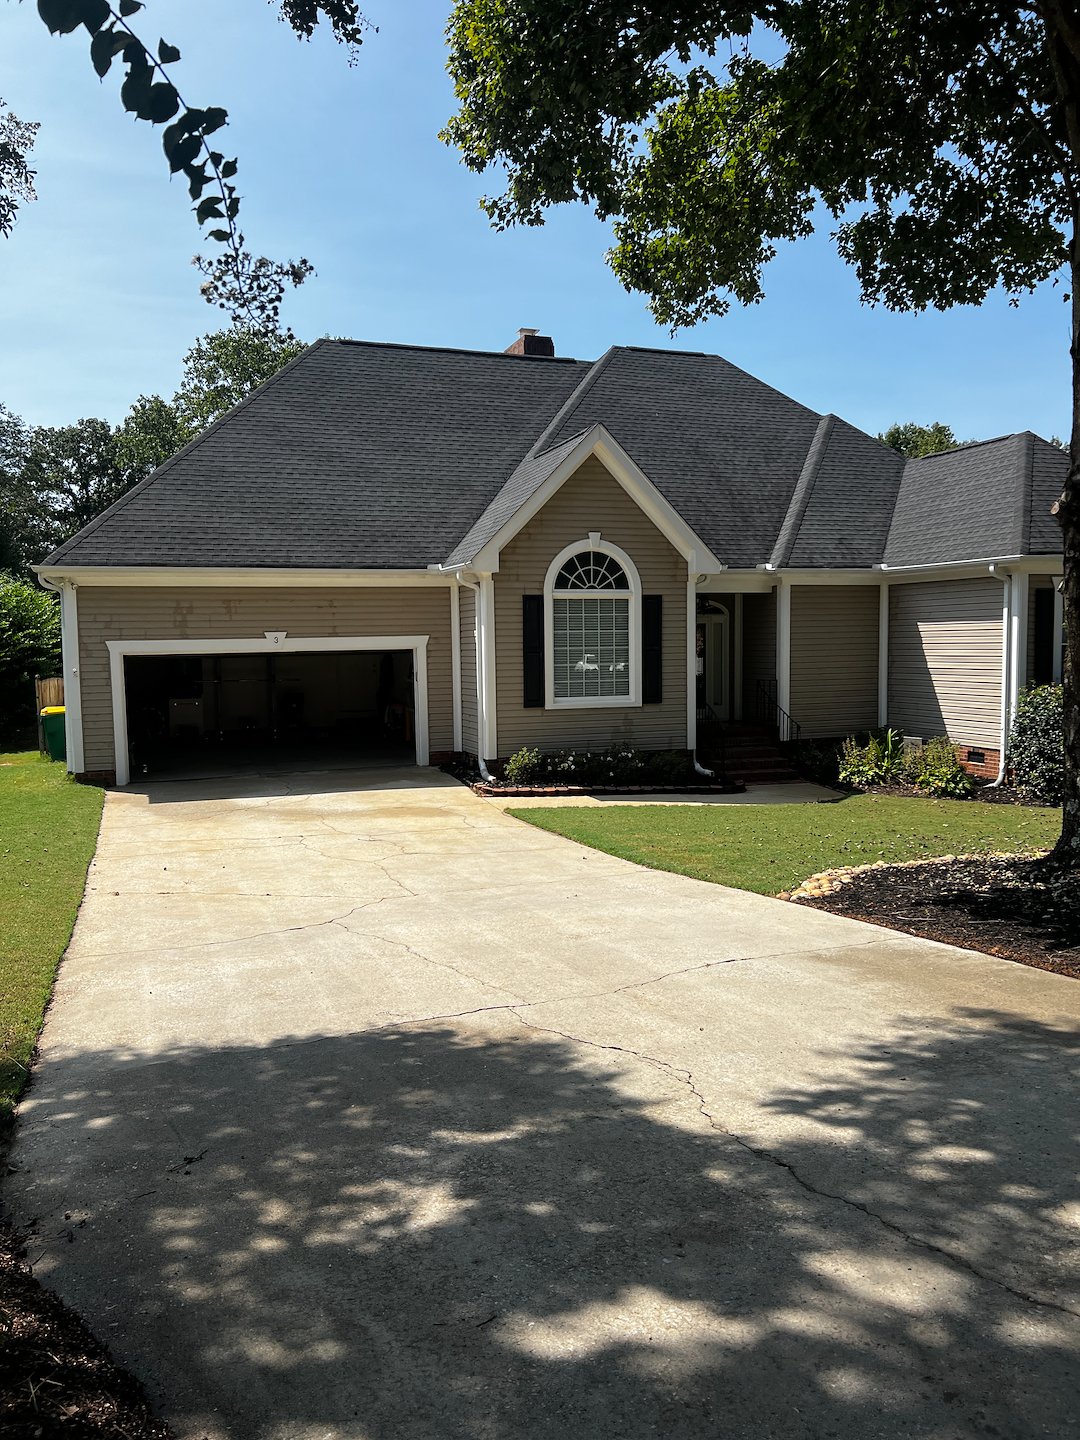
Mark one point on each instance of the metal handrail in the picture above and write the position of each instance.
(771, 712)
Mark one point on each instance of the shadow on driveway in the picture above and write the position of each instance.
(422, 1232)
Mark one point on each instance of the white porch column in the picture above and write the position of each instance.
(1019, 590)
(1059, 626)
(783, 643)
(485, 624)
(737, 662)
(691, 652)
(69, 643)
(455, 658)
(883, 655)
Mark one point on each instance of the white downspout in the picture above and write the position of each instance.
(485, 773)
(1006, 668)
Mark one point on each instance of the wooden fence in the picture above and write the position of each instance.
(49, 690)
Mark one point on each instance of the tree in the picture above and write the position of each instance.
(71, 474)
(250, 288)
(222, 368)
(16, 517)
(915, 441)
(16, 178)
(151, 432)
(29, 646)
(941, 144)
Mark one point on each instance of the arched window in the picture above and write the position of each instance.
(593, 622)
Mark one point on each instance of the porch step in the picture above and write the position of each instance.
(751, 757)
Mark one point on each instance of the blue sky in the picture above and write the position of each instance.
(99, 302)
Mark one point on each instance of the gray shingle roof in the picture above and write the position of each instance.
(524, 482)
(356, 455)
(362, 455)
(978, 502)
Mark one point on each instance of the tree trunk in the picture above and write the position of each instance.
(1067, 850)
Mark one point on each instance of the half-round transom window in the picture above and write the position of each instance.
(591, 570)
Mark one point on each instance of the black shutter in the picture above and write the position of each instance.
(652, 649)
(532, 650)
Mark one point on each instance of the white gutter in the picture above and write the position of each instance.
(991, 560)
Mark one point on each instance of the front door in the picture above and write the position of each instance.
(714, 663)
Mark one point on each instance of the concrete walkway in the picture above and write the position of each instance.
(365, 1110)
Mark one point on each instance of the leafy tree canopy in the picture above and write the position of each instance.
(29, 646)
(915, 440)
(222, 368)
(929, 137)
(249, 288)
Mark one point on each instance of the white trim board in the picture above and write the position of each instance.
(240, 577)
(274, 643)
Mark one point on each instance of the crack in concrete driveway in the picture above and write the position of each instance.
(540, 1143)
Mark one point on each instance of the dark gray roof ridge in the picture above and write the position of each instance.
(451, 350)
(188, 449)
(800, 496)
(968, 445)
(570, 404)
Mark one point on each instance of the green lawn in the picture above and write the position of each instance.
(48, 830)
(769, 848)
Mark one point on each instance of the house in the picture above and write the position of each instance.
(392, 549)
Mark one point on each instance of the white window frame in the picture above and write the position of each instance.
(633, 599)
(273, 642)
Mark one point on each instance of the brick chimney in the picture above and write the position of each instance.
(530, 342)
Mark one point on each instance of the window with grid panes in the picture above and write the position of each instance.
(591, 628)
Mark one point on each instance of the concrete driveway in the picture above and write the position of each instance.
(365, 1110)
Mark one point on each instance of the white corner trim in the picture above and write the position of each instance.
(783, 644)
(69, 645)
(883, 655)
(633, 599)
(485, 627)
(120, 649)
(599, 442)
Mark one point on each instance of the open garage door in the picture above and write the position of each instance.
(193, 714)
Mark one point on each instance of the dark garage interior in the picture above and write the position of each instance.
(193, 714)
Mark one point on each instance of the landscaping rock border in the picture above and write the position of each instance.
(828, 882)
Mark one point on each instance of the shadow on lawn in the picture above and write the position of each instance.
(427, 1233)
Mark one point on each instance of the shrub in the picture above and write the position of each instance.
(819, 763)
(881, 761)
(1037, 744)
(524, 767)
(936, 769)
(29, 646)
(672, 767)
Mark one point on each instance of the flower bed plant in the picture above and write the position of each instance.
(618, 767)
(885, 761)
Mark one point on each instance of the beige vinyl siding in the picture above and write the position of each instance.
(467, 612)
(590, 500)
(758, 647)
(945, 660)
(834, 658)
(165, 613)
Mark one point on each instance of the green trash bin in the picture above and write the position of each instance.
(54, 728)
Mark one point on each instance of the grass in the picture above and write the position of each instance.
(48, 830)
(770, 848)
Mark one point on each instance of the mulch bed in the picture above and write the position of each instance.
(1015, 907)
(481, 787)
(56, 1380)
